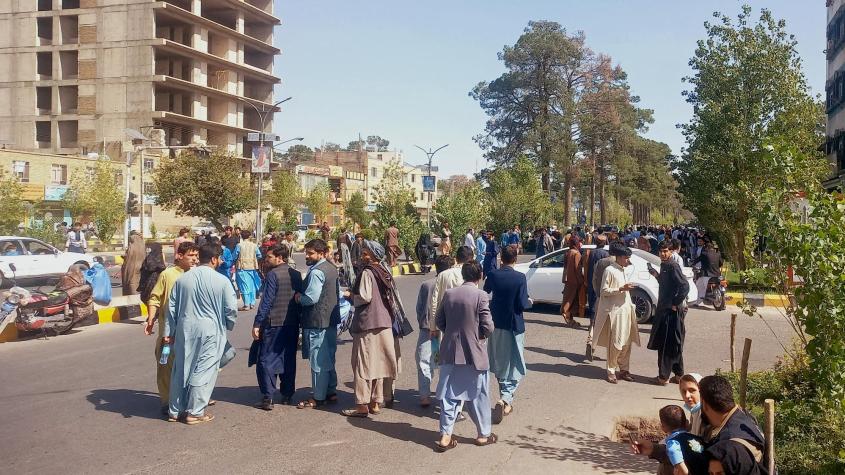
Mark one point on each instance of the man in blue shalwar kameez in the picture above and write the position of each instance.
(320, 317)
(201, 308)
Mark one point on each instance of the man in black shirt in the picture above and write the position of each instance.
(668, 330)
(229, 240)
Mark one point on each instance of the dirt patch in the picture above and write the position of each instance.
(641, 427)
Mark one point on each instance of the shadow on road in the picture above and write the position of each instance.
(126, 402)
(573, 357)
(579, 371)
(604, 455)
(402, 431)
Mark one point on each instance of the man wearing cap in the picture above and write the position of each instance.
(616, 317)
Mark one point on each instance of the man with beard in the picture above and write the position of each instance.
(573, 280)
(593, 284)
(320, 315)
(668, 330)
(276, 328)
(616, 317)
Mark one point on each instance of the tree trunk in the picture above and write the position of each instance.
(602, 196)
(567, 201)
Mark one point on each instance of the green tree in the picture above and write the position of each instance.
(395, 204)
(213, 188)
(378, 143)
(12, 207)
(747, 90)
(98, 196)
(285, 194)
(463, 210)
(355, 144)
(317, 201)
(331, 147)
(356, 209)
(528, 208)
(298, 153)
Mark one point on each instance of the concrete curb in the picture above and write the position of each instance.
(404, 269)
(757, 299)
(120, 308)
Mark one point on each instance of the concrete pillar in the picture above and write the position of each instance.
(196, 7)
(239, 26)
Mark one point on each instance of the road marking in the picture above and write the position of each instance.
(330, 443)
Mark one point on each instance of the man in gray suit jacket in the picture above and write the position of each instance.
(465, 320)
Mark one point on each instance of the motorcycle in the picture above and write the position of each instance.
(57, 311)
(712, 290)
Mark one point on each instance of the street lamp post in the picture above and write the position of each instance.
(430, 154)
(262, 116)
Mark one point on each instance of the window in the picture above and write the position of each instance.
(90, 173)
(21, 170)
(555, 260)
(118, 178)
(43, 133)
(38, 248)
(148, 164)
(374, 172)
(379, 157)
(413, 178)
(10, 248)
(58, 174)
(422, 196)
(148, 188)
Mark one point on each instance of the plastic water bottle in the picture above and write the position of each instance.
(165, 353)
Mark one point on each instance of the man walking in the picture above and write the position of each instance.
(320, 315)
(391, 242)
(446, 280)
(464, 362)
(507, 344)
(616, 319)
(246, 257)
(668, 330)
(202, 307)
(573, 280)
(186, 257)
(425, 347)
(594, 274)
(276, 328)
(229, 240)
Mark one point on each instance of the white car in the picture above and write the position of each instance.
(545, 275)
(36, 262)
(203, 226)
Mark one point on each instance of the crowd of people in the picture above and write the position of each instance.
(470, 325)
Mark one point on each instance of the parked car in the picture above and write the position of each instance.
(300, 232)
(203, 226)
(37, 262)
(545, 275)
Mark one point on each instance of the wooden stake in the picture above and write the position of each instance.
(743, 376)
(769, 414)
(733, 343)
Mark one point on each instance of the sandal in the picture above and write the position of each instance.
(444, 448)
(507, 412)
(309, 404)
(354, 413)
(498, 413)
(491, 439)
(192, 420)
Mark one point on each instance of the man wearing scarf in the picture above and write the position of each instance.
(320, 315)
(668, 330)
(373, 348)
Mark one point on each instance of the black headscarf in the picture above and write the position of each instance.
(152, 266)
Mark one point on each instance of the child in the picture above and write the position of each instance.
(685, 451)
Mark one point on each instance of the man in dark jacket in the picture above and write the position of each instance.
(507, 344)
(668, 330)
(276, 328)
(594, 274)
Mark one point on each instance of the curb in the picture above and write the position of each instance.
(405, 269)
(120, 308)
(758, 300)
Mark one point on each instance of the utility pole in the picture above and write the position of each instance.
(430, 154)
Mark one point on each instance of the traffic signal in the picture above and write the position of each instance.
(132, 204)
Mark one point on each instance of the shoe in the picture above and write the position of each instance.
(354, 413)
(675, 380)
(498, 412)
(573, 324)
(626, 376)
(266, 404)
(425, 401)
(659, 382)
(192, 420)
(589, 352)
(611, 378)
(286, 400)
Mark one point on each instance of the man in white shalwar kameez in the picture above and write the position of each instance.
(616, 316)
(201, 308)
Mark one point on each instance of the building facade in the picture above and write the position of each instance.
(413, 178)
(80, 72)
(835, 92)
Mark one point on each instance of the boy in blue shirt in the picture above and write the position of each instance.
(684, 450)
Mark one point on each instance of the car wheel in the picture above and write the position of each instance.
(643, 305)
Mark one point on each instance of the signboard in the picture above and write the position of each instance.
(312, 170)
(257, 137)
(335, 171)
(32, 192)
(261, 159)
(429, 182)
(54, 192)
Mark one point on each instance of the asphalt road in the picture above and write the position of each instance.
(86, 403)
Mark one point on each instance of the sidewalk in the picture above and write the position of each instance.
(757, 299)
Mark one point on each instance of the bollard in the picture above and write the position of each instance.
(769, 414)
(733, 342)
(743, 376)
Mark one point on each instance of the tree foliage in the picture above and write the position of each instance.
(395, 203)
(98, 196)
(747, 90)
(285, 194)
(213, 188)
(377, 143)
(12, 207)
(464, 209)
(331, 147)
(298, 153)
(317, 201)
(529, 207)
(356, 209)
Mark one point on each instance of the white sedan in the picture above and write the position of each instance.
(545, 275)
(36, 262)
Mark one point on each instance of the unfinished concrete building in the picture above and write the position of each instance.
(76, 73)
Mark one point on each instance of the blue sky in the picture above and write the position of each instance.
(403, 69)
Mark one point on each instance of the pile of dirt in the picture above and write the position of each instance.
(640, 427)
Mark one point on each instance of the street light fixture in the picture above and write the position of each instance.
(430, 154)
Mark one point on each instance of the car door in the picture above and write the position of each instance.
(12, 252)
(545, 283)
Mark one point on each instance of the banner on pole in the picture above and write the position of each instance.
(261, 159)
(428, 183)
